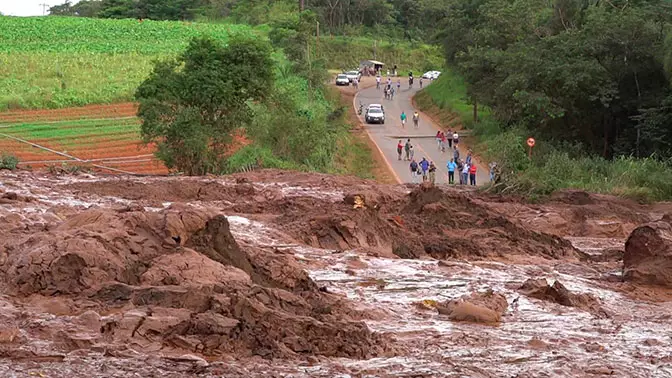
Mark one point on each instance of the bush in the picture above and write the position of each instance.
(8, 162)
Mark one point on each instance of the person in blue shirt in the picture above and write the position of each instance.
(424, 164)
(451, 171)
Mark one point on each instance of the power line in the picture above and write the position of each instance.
(44, 8)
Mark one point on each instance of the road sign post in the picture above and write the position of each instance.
(530, 143)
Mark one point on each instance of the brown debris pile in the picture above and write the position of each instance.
(558, 293)
(648, 254)
(478, 307)
(426, 221)
(173, 280)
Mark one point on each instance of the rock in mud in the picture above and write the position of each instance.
(478, 307)
(558, 293)
(648, 254)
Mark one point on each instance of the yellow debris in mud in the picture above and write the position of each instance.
(359, 203)
(429, 303)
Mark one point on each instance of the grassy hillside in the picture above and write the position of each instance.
(53, 62)
(552, 166)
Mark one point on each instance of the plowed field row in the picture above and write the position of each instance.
(95, 133)
(122, 110)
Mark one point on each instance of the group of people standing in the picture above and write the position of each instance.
(425, 170)
(448, 138)
(466, 169)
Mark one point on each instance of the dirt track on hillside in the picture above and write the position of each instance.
(316, 275)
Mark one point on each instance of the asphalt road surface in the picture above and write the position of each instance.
(387, 135)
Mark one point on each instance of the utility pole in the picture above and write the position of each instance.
(44, 8)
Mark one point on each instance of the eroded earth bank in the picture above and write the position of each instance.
(276, 274)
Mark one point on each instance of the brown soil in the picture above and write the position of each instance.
(174, 281)
(126, 109)
(136, 268)
(648, 254)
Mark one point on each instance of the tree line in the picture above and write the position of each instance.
(408, 19)
(588, 73)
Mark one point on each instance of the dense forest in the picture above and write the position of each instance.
(588, 72)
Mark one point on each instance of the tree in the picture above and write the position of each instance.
(189, 106)
(84, 8)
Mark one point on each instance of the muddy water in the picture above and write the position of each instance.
(535, 339)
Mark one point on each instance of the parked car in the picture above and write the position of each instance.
(375, 115)
(352, 75)
(342, 79)
(430, 75)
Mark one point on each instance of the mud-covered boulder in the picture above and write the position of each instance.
(558, 293)
(478, 307)
(648, 254)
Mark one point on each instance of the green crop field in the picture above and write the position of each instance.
(55, 62)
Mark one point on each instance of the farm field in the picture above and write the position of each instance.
(60, 62)
(103, 138)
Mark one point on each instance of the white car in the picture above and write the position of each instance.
(342, 79)
(352, 75)
(375, 115)
(431, 75)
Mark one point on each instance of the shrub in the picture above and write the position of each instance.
(8, 162)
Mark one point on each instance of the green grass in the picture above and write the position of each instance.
(75, 130)
(56, 62)
(552, 167)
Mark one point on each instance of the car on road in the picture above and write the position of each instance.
(352, 75)
(375, 115)
(431, 75)
(342, 79)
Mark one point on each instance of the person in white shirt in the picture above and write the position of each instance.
(456, 138)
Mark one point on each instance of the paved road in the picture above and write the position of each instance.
(387, 136)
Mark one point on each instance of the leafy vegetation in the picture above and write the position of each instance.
(553, 166)
(8, 162)
(191, 105)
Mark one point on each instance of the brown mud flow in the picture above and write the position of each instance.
(306, 275)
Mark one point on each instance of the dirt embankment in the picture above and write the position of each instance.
(173, 281)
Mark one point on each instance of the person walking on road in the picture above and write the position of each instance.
(472, 174)
(400, 148)
(438, 140)
(465, 174)
(355, 83)
(414, 171)
(416, 119)
(449, 136)
(377, 82)
(420, 82)
(432, 173)
(407, 149)
(424, 164)
(411, 152)
(398, 84)
(493, 168)
(391, 93)
(403, 119)
(456, 153)
(451, 171)
(443, 142)
(456, 139)
(460, 167)
(468, 160)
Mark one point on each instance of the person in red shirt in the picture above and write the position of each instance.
(400, 148)
(472, 174)
(443, 142)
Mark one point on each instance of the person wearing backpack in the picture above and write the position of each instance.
(451, 171)
(432, 173)
(414, 171)
(472, 174)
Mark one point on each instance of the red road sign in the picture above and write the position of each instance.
(530, 142)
